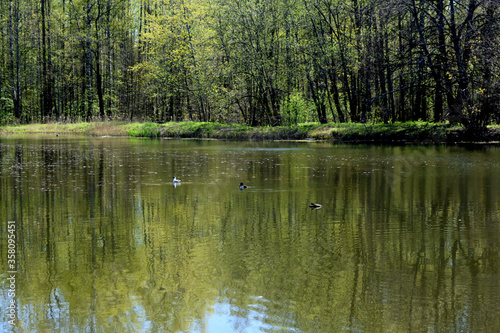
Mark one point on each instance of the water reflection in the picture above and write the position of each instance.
(406, 238)
(255, 317)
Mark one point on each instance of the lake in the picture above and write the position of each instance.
(407, 238)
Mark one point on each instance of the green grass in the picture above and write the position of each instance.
(416, 132)
(114, 128)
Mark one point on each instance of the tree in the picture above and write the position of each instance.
(251, 61)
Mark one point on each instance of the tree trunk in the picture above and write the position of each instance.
(99, 87)
(47, 82)
(88, 63)
(14, 55)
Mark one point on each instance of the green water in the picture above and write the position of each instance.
(407, 238)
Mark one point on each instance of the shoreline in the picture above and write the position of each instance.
(417, 133)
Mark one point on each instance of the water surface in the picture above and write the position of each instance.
(406, 240)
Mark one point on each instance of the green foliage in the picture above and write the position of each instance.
(296, 109)
(6, 111)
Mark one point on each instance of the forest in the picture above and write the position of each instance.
(274, 62)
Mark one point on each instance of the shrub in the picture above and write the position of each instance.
(6, 111)
(296, 109)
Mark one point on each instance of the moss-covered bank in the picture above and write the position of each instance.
(412, 132)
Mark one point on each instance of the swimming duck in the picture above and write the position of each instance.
(313, 205)
(175, 180)
(242, 186)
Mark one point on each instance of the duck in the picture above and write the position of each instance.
(175, 180)
(314, 205)
(243, 186)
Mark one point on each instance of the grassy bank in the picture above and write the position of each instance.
(413, 132)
